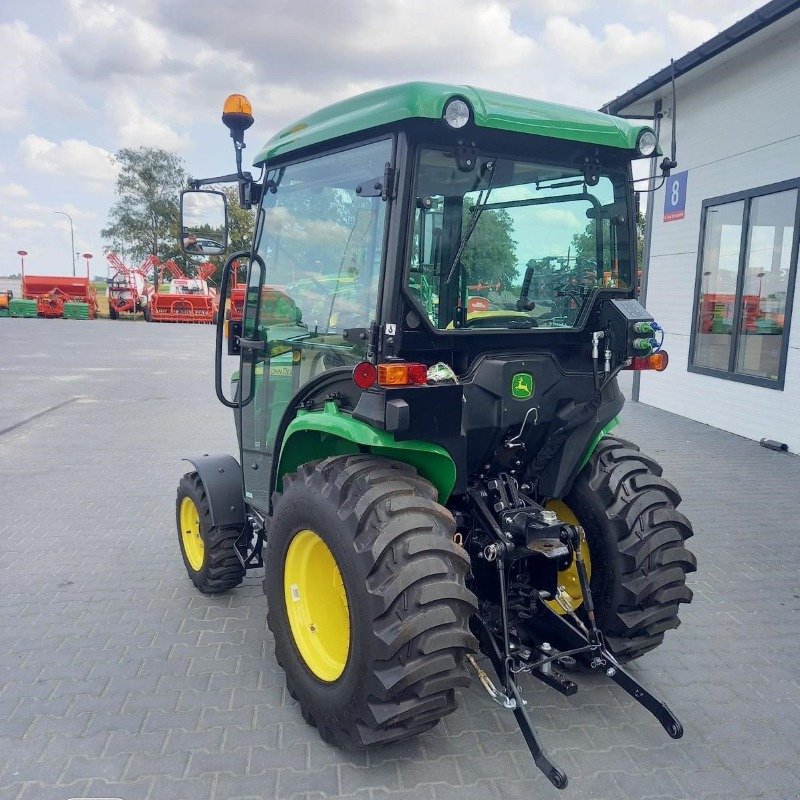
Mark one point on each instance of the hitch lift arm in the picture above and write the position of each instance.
(586, 645)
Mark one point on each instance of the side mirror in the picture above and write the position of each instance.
(204, 223)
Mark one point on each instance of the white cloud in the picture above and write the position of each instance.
(690, 31)
(576, 45)
(22, 55)
(73, 158)
(137, 128)
(122, 43)
(21, 223)
(13, 191)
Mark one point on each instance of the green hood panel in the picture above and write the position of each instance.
(494, 110)
(313, 435)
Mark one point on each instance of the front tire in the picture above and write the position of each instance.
(636, 540)
(208, 550)
(404, 629)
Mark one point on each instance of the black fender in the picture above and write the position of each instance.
(223, 482)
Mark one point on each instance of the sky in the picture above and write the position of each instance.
(82, 79)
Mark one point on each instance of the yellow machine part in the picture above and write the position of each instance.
(193, 544)
(568, 578)
(316, 605)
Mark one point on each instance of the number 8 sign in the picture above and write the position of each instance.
(675, 196)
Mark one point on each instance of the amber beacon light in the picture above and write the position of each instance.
(237, 114)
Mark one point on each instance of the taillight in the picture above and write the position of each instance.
(402, 374)
(364, 374)
(657, 361)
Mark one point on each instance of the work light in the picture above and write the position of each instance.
(647, 143)
(456, 113)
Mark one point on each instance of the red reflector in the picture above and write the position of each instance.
(657, 361)
(364, 374)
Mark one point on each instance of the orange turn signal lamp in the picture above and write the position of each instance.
(366, 374)
(657, 361)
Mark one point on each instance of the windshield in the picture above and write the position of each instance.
(514, 243)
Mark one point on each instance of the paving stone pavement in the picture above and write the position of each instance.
(118, 679)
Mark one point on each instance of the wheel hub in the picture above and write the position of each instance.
(316, 606)
(193, 544)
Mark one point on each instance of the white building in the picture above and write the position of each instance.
(721, 249)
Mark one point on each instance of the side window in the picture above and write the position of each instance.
(322, 244)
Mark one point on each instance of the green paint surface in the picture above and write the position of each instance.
(493, 110)
(607, 428)
(313, 435)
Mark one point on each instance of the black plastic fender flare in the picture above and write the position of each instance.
(223, 481)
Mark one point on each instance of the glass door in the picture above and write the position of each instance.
(321, 241)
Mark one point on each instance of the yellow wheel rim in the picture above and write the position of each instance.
(316, 605)
(568, 578)
(193, 544)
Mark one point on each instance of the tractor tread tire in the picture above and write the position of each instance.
(222, 570)
(416, 609)
(636, 540)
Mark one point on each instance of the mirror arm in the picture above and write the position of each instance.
(196, 183)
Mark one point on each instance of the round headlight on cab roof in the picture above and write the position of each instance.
(456, 113)
(647, 143)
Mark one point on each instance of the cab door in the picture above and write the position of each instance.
(321, 241)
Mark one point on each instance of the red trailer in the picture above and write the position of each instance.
(51, 292)
(187, 299)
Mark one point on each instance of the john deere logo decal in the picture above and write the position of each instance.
(522, 385)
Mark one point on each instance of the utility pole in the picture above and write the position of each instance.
(72, 237)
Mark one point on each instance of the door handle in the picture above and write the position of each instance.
(258, 345)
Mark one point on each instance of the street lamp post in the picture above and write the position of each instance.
(88, 257)
(22, 254)
(72, 237)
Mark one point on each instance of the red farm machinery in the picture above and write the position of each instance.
(235, 310)
(128, 289)
(182, 299)
(53, 292)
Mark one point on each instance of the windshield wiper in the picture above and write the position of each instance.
(473, 220)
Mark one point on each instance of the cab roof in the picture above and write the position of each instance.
(493, 110)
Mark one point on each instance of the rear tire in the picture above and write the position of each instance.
(216, 567)
(406, 599)
(636, 540)
(113, 313)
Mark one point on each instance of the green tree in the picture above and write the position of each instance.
(144, 219)
(241, 222)
(491, 253)
(583, 248)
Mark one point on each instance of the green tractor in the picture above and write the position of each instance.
(423, 478)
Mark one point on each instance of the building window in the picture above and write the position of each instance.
(745, 281)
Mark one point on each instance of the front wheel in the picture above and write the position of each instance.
(208, 550)
(636, 540)
(367, 600)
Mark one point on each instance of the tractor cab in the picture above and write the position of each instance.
(440, 296)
